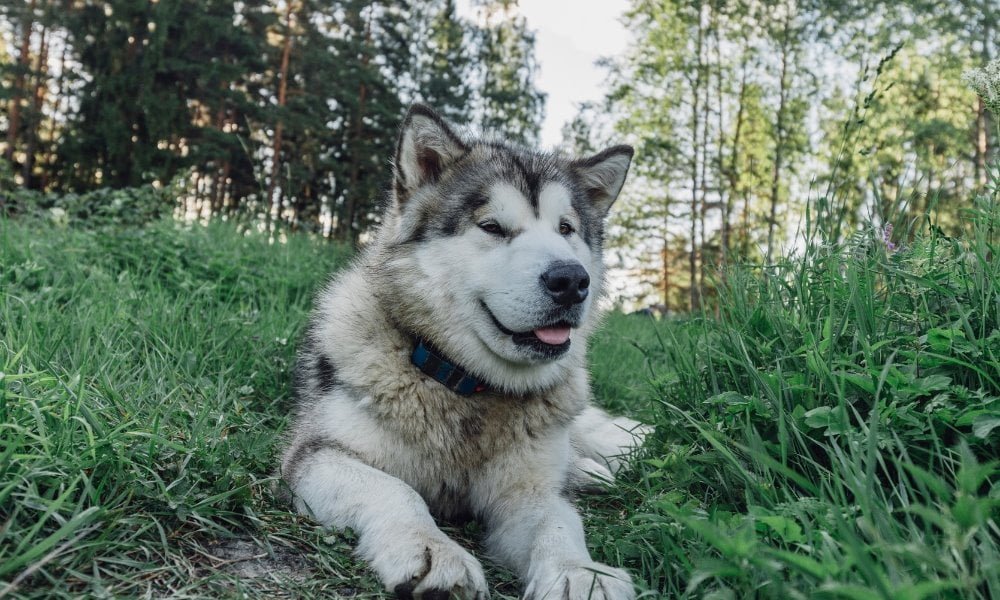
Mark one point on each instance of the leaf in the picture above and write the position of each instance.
(931, 383)
(730, 398)
(941, 340)
(833, 419)
(923, 589)
(786, 528)
(803, 563)
(862, 381)
(984, 424)
(846, 590)
(818, 417)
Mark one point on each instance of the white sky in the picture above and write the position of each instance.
(569, 37)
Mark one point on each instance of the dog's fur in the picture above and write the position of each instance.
(474, 235)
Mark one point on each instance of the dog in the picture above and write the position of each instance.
(443, 374)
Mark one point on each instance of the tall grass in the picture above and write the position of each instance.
(143, 382)
(834, 433)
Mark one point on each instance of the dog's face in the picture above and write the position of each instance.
(494, 250)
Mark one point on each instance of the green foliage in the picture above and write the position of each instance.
(101, 207)
(143, 375)
(742, 112)
(833, 433)
(985, 81)
(510, 104)
(445, 66)
(283, 111)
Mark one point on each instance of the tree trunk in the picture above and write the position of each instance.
(731, 173)
(981, 147)
(273, 210)
(779, 141)
(703, 184)
(50, 159)
(665, 276)
(345, 225)
(23, 63)
(34, 125)
(694, 298)
(745, 245)
(221, 171)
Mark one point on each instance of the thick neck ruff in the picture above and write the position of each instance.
(439, 368)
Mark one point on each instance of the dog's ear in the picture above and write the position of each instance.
(603, 174)
(426, 147)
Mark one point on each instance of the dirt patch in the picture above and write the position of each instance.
(245, 559)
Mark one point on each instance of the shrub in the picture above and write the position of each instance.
(97, 208)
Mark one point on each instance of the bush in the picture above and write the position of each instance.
(97, 208)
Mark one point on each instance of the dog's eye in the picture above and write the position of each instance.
(565, 228)
(491, 227)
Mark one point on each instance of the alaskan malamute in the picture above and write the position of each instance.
(444, 372)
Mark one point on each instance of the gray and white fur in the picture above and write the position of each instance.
(492, 254)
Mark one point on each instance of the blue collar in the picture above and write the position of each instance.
(437, 367)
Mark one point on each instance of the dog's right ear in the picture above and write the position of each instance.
(426, 147)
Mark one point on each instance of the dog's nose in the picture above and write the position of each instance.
(566, 283)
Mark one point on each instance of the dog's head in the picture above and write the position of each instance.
(493, 252)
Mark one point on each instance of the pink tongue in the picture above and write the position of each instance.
(553, 335)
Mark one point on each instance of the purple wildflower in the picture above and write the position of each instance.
(890, 246)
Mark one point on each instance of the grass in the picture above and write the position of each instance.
(144, 383)
(831, 434)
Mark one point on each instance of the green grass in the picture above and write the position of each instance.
(833, 433)
(143, 385)
(829, 434)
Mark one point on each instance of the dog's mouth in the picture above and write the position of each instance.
(550, 340)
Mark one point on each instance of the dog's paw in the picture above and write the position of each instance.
(618, 439)
(627, 434)
(605, 439)
(429, 567)
(593, 581)
(589, 476)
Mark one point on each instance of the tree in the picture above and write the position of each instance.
(378, 56)
(444, 65)
(18, 94)
(510, 104)
(786, 33)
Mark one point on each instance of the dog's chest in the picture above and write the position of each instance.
(464, 431)
(441, 441)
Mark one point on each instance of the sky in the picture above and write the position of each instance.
(569, 37)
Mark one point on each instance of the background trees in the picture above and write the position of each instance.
(283, 109)
(744, 112)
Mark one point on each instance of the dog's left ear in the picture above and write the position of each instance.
(603, 174)
(426, 147)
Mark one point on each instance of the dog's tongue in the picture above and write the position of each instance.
(552, 335)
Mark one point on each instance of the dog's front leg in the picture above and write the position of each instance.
(397, 535)
(539, 533)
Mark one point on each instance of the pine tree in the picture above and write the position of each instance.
(376, 55)
(445, 63)
(510, 104)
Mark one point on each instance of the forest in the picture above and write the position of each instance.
(743, 113)
(287, 111)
